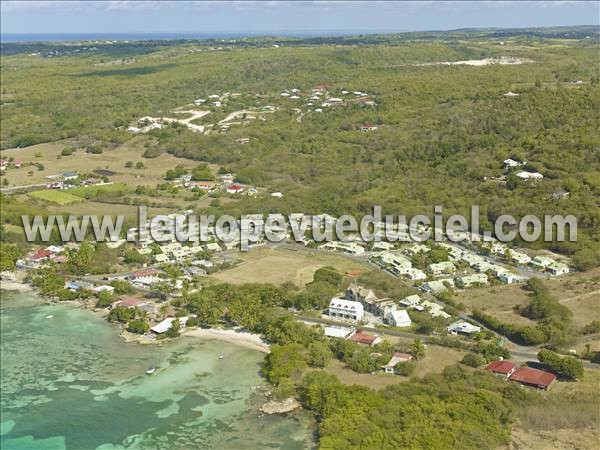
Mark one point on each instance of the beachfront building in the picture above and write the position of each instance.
(163, 326)
(346, 309)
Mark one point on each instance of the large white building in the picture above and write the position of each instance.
(346, 309)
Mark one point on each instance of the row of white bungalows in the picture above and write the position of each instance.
(351, 248)
(346, 309)
(399, 266)
(543, 263)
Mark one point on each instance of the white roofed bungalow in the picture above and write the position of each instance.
(398, 318)
(463, 327)
(411, 301)
(557, 268)
(472, 280)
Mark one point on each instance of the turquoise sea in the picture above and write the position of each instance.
(69, 382)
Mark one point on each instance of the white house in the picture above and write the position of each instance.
(471, 280)
(338, 332)
(434, 309)
(346, 309)
(163, 326)
(520, 258)
(396, 358)
(437, 286)
(411, 301)
(530, 175)
(102, 288)
(412, 274)
(463, 327)
(511, 164)
(511, 94)
(557, 268)
(441, 267)
(541, 262)
(398, 318)
(510, 278)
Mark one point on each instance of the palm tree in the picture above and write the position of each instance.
(417, 349)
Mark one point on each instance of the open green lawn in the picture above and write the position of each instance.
(54, 196)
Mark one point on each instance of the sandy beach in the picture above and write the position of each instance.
(14, 286)
(242, 338)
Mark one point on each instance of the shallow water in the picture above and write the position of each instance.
(69, 382)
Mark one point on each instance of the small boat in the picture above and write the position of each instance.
(221, 356)
(49, 317)
(150, 370)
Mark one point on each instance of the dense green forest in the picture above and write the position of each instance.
(443, 130)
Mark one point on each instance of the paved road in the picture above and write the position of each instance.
(519, 354)
(19, 189)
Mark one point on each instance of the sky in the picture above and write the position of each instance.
(273, 17)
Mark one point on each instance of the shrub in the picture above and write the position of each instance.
(473, 360)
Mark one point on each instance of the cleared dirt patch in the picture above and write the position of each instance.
(278, 266)
(113, 160)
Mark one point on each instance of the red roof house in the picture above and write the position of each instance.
(41, 255)
(365, 339)
(235, 188)
(503, 368)
(127, 302)
(144, 274)
(536, 378)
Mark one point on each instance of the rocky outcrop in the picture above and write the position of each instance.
(284, 406)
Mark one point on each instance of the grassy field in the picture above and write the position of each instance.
(435, 360)
(114, 160)
(554, 423)
(279, 265)
(580, 292)
(54, 196)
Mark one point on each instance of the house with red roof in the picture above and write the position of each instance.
(235, 188)
(146, 273)
(41, 255)
(528, 376)
(126, 302)
(502, 368)
(365, 338)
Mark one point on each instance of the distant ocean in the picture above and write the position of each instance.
(54, 37)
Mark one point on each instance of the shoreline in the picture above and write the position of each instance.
(241, 338)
